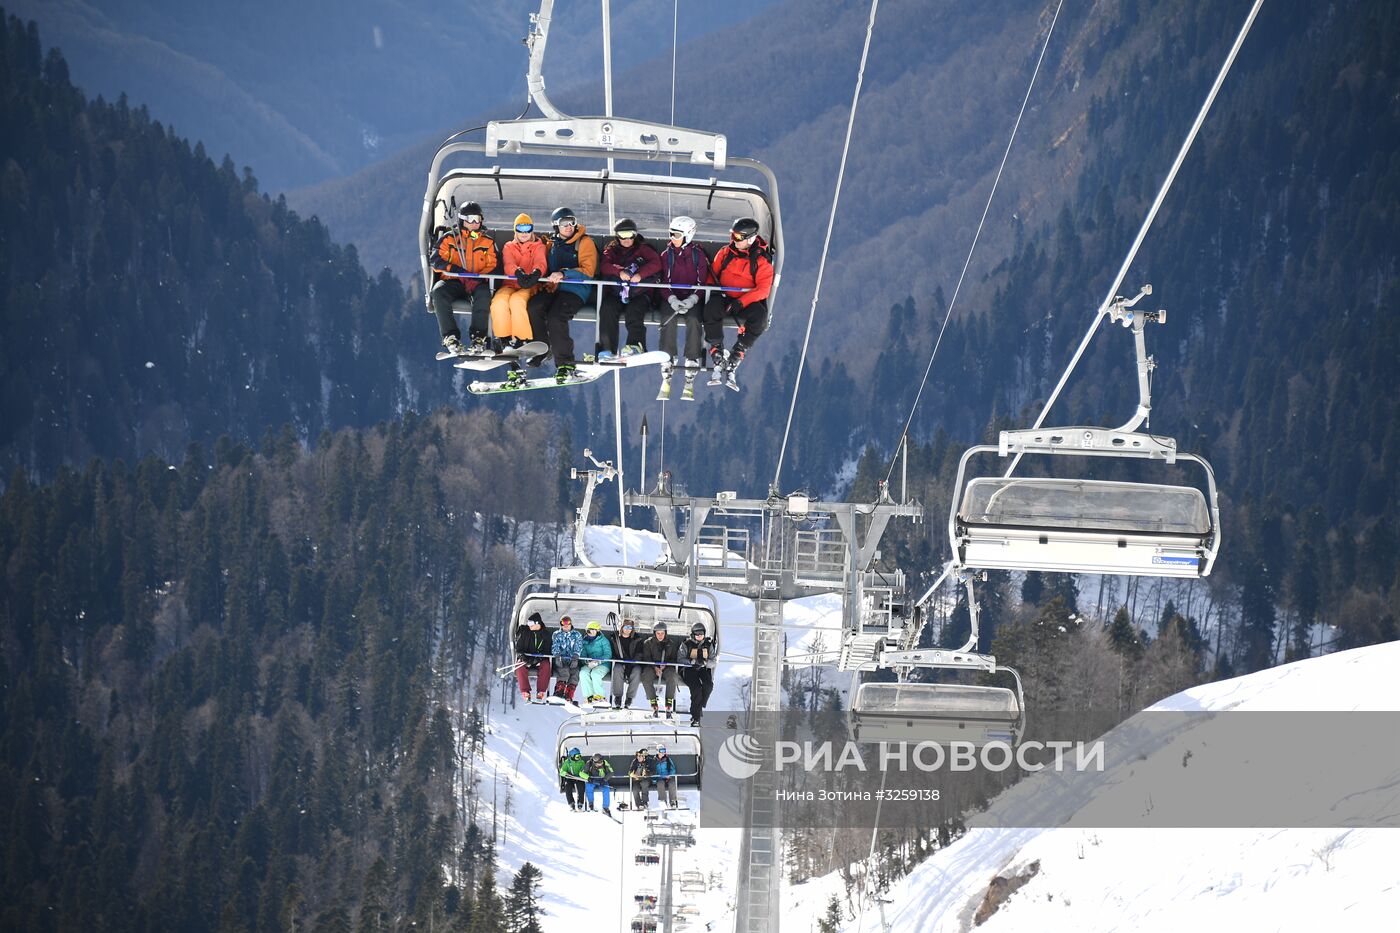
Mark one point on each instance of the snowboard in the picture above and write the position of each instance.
(482, 363)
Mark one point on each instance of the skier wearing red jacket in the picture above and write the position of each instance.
(745, 263)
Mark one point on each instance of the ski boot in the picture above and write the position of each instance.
(453, 344)
(664, 393)
(480, 346)
(607, 811)
(695, 724)
(564, 373)
(671, 709)
(539, 697)
(688, 390)
(717, 363)
(655, 710)
(735, 359)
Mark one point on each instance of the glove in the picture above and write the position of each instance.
(526, 279)
(592, 664)
(677, 305)
(692, 301)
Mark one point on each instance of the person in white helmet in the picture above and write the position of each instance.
(684, 265)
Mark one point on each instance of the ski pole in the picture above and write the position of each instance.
(698, 288)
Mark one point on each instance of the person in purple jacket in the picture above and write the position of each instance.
(628, 258)
(684, 265)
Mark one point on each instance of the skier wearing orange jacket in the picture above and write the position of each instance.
(524, 257)
(745, 263)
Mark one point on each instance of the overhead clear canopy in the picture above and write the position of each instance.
(913, 699)
(649, 200)
(938, 713)
(1085, 505)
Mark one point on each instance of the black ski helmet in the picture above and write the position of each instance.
(698, 628)
(535, 619)
(744, 227)
(659, 627)
(625, 225)
(471, 208)
(562, 214)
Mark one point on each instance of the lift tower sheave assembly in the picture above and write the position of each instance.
(771, 551)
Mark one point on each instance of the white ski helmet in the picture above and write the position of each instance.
(685, 226)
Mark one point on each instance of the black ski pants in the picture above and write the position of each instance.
(753, 320)
(634, 313)
(701, 681)
(550, 314)
(573, 790)
(449, 290)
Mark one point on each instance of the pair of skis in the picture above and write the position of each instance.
(582, 373)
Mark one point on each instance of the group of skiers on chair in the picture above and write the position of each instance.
(547, 282)
(579, 776)
(608, 667)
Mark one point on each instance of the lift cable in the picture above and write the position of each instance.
(1102, 312)
(948, 315)
(1117, 282)
(826, 245)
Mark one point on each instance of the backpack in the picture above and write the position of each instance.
(760, 248)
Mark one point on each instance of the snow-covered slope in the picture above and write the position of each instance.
(1180, 879)
(589, 873)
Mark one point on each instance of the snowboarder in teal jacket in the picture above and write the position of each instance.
(596, 670)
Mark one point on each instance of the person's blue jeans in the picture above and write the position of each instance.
(607, 794)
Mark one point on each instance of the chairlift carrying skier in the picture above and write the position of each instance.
(566, 647)
(629, 259)
(659, 656)
(744, 263)
(684, 265)
(464, 249)
(533, 650)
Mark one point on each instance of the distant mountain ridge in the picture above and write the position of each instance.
(316, 89)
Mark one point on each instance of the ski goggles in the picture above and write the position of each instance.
(738, 237)
(626, 236)
(524, 228)
(472, 219)
(677, 233)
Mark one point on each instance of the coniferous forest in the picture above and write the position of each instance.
(241, 692)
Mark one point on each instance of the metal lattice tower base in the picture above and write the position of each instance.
(777, 564)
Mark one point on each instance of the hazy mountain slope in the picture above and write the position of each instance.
(1121, 879)
(311, 90)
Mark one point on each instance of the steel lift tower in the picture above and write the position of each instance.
(771, 551)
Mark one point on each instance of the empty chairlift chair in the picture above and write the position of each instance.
(941, 713)
(692, 882)
(1080, 525)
